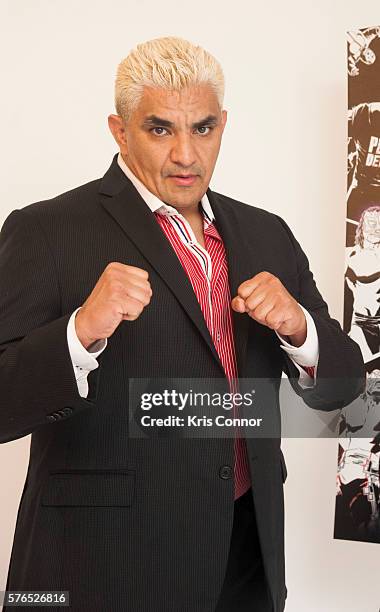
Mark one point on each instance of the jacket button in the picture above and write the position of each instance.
(50, 417)
(226, 472)
(67, 410)
(57, 415)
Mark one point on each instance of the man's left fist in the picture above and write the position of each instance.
(265, 299)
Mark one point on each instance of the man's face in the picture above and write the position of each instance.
(171, 142)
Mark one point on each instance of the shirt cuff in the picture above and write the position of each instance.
(308, 353)
(304, 380)
(81, 357)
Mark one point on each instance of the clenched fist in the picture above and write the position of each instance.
(265, 299)
(121, 293)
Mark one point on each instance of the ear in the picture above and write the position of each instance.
(116, 125)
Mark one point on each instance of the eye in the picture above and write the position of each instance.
(158, 131)
(203, 129)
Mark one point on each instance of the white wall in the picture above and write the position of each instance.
(284, 150)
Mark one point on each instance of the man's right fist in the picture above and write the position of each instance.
(121, 293)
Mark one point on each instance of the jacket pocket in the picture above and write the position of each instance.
(89, 488)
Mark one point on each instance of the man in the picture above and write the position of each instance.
(363, 278)
(148, 274)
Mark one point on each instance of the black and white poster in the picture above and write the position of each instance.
(357, 515)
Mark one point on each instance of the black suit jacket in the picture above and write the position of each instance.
(125, 523)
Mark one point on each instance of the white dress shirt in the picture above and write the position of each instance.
(84, 360)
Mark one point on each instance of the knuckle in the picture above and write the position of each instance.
(109, 273)
(112, 265)
(272, 321)
(134, 306)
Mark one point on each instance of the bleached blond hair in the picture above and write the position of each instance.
(170, 63)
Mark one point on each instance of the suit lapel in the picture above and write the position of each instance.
(122, 201)
(240, 266)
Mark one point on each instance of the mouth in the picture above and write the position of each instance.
(183, 179)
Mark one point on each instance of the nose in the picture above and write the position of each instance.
(183, 152)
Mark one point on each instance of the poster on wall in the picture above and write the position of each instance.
(357, 510)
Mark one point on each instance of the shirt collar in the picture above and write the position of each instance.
(154, 203)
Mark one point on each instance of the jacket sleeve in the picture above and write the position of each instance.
(37, 380)
(340, 374)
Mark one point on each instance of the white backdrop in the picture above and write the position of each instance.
(284, 149)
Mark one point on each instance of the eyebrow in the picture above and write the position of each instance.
(153, 120)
